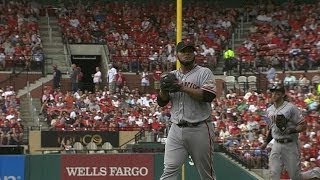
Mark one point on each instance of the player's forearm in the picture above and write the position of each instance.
(301, 127)
(196, 94)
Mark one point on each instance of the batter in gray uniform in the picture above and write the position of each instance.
(191, 132)
(285, 150)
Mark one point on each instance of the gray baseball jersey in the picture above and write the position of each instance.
(291, 112)
(194, 141)
(286, 154)
(184, 107)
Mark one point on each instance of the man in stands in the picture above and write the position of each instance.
(74, 78)
(5, 132)
(56, 77)
(111, 76)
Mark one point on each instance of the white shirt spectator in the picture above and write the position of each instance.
(226, 24)
(112, 74)
(36, 38)
(74, 22)
(146, 102)
(248, 44)
(145, 24)
(131, 118)
(2, 57)
(144, 78)
(289, 80)
(154, 56)
(171, 58)
(243, 127)
(77, 95)
(252, 108)
(124, 36)
(315, 79)
(224, 134)
(141, 100)
(97, 117)
(73, 115)
(60, 104)
(264, 18)
(7, 93)
(139, 121)
(251, 125)
(97, 77)
(249, 94)
(207, 51)
(116, 103)
(295, 51)
(169, 48)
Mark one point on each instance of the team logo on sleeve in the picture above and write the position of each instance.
(209, 85)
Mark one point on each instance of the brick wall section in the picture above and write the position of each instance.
(17, 81)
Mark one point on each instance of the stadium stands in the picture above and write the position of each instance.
(20, 39)
(284, 35)
(146, 37)
(141, 36)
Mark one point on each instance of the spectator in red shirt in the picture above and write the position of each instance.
(120, 79)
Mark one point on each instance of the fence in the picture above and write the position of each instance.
(107, 166)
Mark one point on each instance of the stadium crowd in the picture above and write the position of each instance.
(19, 35)
(285, 35)
(240, 120)
(142, 34)
(11, 128)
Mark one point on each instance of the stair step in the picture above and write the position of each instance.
(53, 33)
(53, 51)
(55, 56)
(54, 39)
(52, 45)
(45, 20)
(45, 26)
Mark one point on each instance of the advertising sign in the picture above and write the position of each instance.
(55, 138)
(107, 167)
(12, 167)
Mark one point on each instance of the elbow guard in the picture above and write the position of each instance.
(161, 102)
(208, 96)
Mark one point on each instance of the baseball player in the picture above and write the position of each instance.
(190, 90)
(286, 122)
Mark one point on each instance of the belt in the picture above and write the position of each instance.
(189, 124)
(283, 141)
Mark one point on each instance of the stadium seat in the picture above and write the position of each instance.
(107, 146)
(78, 146)
(252, 83)
(92, 147)
(230, 83)
(242, 83)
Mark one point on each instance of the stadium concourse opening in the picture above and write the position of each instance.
(88, 64)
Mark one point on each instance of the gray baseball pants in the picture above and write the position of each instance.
(194, 141)
(286, 154)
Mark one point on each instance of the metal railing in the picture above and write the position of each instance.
(49, 26)
(11, 80)
(67, 53)
(32, 108)
(248, 157)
